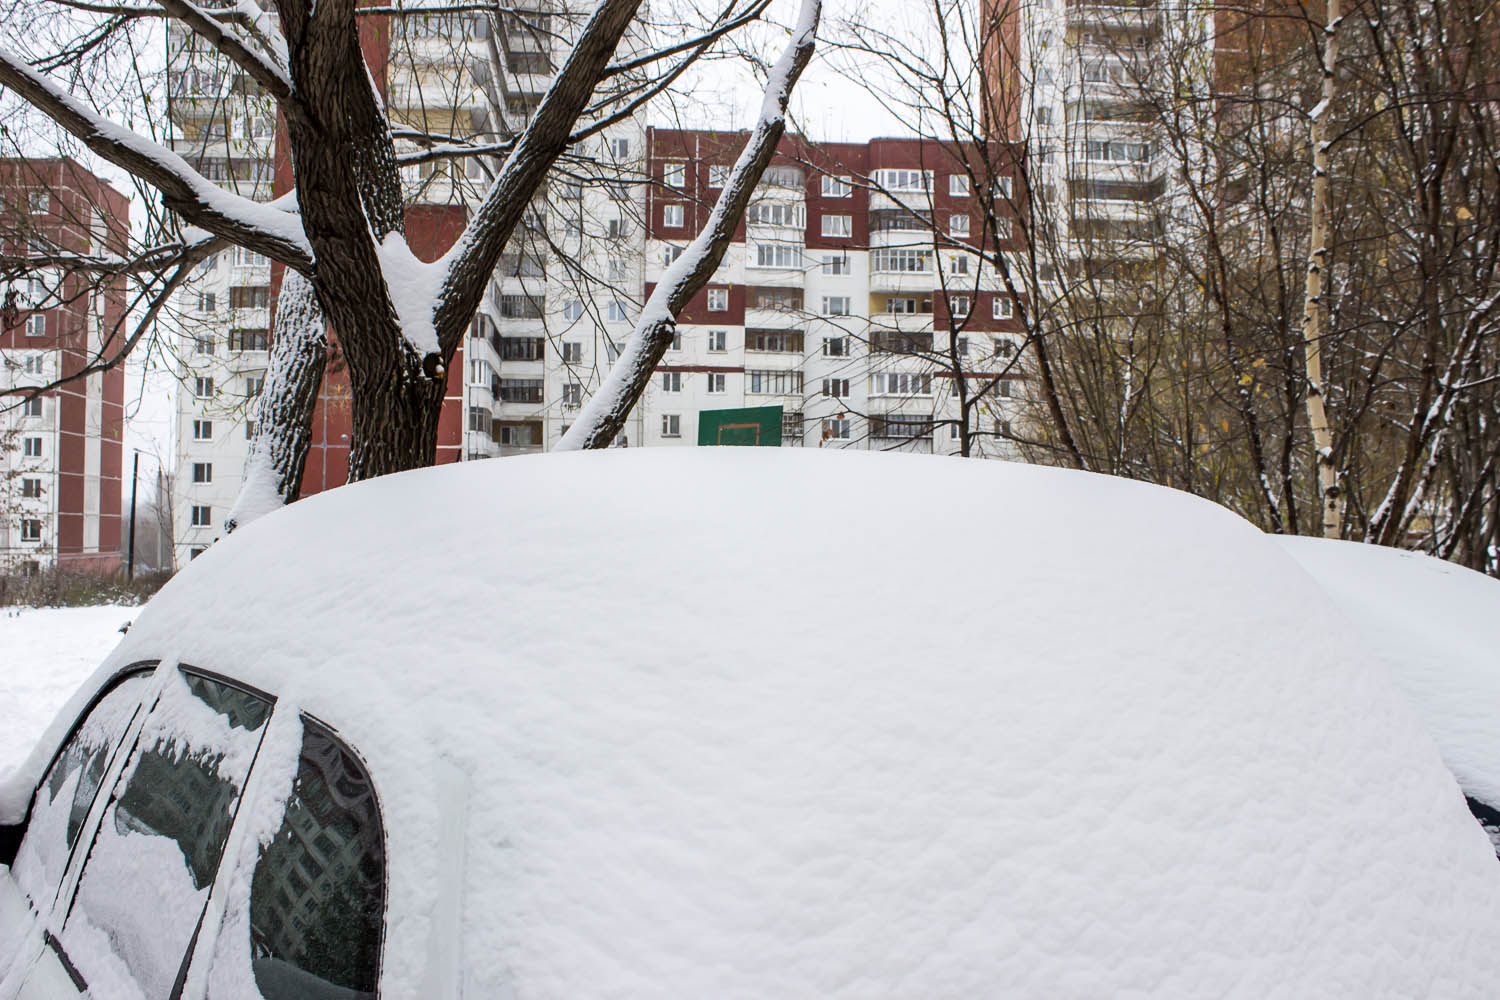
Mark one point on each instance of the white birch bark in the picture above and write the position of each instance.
(1315, 309)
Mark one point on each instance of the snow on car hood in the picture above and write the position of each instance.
(1436, 625)
(749, 723)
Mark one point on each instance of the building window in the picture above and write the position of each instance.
(835, 263)
(204, 345)
(480, 419)
(676, 341)
(671, 425)
(572, 352)
(963, 347)
(836, 305)
(718, 300)
(673, 216)
(32, 407)
(254, 385)
(517, 306)
(908, 181)
(203, 472)
(671, 381)
(901, 426)
(958, 185)
(616, 313)
(36, 325)
(249, 258)
(479, 373)
(36, 364)
(837, 388)
(774, 341)
(203, 387)
(619, 148)
(207, 302)
(572, 310)
(791, 427)
(31, 447)
(616, 229)
(203, 430)
(617, 269)
(249, 297)
(38, 202)
(1002, 388)
(1004, 348)
(573, 394)
(674, 175)
(1001, 307)
(836, 429)
(958, 306)
(718, 175)
(717, 340)
(773, 383)
(775, 213)
(838, 187)
(521, 348)
(835, 347)
(777, 255)
(520, 390)
(960, 265)
(669, 255)
(31, 488)
(901, 261)
(248, 340)
(1003, 188)
(958, 225)
(31, 529)
(203, 516)
(900, 384)
(716, 382)
(838, 225)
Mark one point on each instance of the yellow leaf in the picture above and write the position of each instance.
(1464, 213)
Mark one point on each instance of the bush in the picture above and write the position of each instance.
(62, 588)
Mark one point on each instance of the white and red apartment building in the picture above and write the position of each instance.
(61, 452)
(835, 302)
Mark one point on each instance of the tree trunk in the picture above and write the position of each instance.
(283, 428)
(1314, 309)
(396, 413)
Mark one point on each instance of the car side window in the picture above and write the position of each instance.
(65, 796)
(318, 893)
(155, 854)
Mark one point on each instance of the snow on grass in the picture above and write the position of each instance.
(45, 653)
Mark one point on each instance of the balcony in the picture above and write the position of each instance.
(902, 281)
(1120, 15)
(889, 341)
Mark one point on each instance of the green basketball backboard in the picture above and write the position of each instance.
(756, 426)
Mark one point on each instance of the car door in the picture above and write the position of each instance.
(123, 927)
(59, 816)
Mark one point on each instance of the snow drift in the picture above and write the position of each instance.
(753, 724)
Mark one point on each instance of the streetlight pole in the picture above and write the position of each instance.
(135, 470)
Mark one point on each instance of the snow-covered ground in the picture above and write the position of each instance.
(45, 653)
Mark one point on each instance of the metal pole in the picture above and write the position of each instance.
(135, 469)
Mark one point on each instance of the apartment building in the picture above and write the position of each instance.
(857, 269)
(222, 125)
(60, 453)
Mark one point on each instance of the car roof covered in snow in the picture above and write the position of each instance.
(1436, 625)
(763, 723)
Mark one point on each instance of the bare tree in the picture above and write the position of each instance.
(342, 229)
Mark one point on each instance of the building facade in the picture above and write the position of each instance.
(60, 452)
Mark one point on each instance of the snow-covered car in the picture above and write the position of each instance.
(743, 723)
(1436, 626)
